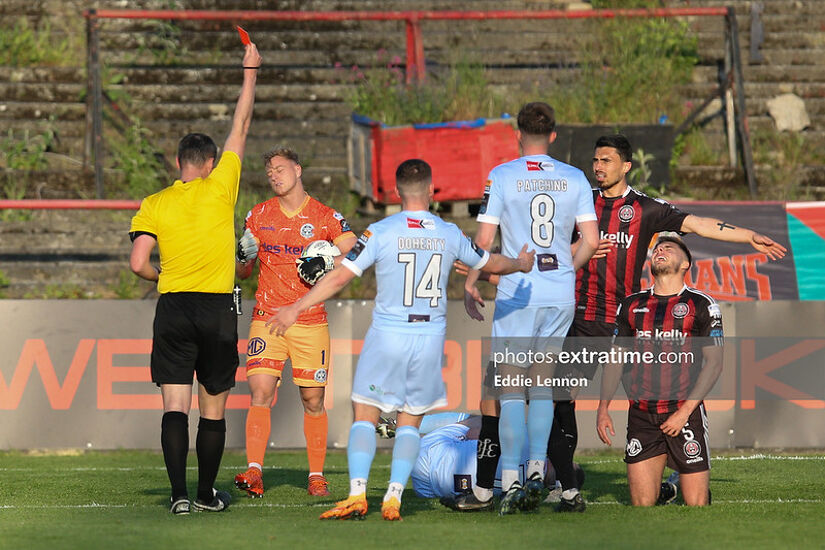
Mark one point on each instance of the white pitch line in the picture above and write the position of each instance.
(324, 505)
(386, 466)
(127, 469)
(716, 501)
(155, 468)
(97, 505)
(723, 458)
(768, 457)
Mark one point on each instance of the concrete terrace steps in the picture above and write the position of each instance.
(301, 99)
(302, 83)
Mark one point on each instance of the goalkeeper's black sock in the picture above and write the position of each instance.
(488, 452)
(564, 438)
(174, 440)
(209, 445)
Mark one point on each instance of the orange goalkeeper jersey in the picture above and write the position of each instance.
(282, 237)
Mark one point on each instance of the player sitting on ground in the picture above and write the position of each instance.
(446, 465)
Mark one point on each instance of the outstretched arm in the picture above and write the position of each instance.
(721, 231)
(589, 243)
(472, 297)
(236, 141)
(504, 265)
(327, 287)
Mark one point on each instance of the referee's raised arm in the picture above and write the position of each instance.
(236, 141)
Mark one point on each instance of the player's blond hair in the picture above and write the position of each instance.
(283, 152)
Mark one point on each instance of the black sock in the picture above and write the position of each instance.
(564, 437)
(174, 440)
(488, 452)
(210, 443)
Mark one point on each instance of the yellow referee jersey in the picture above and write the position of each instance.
(193, 223)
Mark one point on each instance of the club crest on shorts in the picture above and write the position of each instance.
(634, 447)
(692, 448)
(626, 213)
(680, 310)
(256, 346)
(307, 231)
(320, 376)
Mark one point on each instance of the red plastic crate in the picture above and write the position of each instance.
(461, 155)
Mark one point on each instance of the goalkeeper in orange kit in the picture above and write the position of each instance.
(276, 232)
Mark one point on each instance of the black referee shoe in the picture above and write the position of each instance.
(467, 503)
(220, 502)
(179, 506)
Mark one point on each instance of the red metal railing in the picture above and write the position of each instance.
(69, 204)
(416, 69)
(415, 61)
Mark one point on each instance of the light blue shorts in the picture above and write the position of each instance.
(522, 329)
(400, 372)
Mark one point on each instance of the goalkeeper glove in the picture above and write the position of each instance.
(312, 268)
(247, 247)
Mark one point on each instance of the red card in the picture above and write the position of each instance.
(244, 36)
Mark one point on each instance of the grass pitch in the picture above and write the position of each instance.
(119, 500)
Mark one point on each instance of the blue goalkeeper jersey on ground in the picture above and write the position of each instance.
(413, 253)
(538, 200)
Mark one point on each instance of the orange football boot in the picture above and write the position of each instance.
(251, 482)
(391, 509)
(354, 507)
(318, 486)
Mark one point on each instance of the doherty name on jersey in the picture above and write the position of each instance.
(421, 243)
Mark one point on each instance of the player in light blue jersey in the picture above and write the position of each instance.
(399, 368)
(446, 465)
(539, 200)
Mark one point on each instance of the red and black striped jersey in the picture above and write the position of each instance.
(668, 334)
(630, 221)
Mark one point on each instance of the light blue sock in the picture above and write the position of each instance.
(439, 420)
(404, 454)
(512, 430)
(539, 422)
(360, 449)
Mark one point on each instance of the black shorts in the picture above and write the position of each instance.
(195, 332)
(687, 453)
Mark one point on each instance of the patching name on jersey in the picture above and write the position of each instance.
(541, 185)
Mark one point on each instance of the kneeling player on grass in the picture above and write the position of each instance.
(681, 329)
(400, 364)
(276, 233)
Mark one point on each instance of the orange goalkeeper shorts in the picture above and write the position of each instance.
(306, 346)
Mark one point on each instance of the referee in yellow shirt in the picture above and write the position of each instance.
(195, 327)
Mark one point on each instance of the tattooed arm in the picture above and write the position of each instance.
(721, 231)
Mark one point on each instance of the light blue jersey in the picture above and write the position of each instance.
(446, 463)
(413, 253)
(538, 200)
